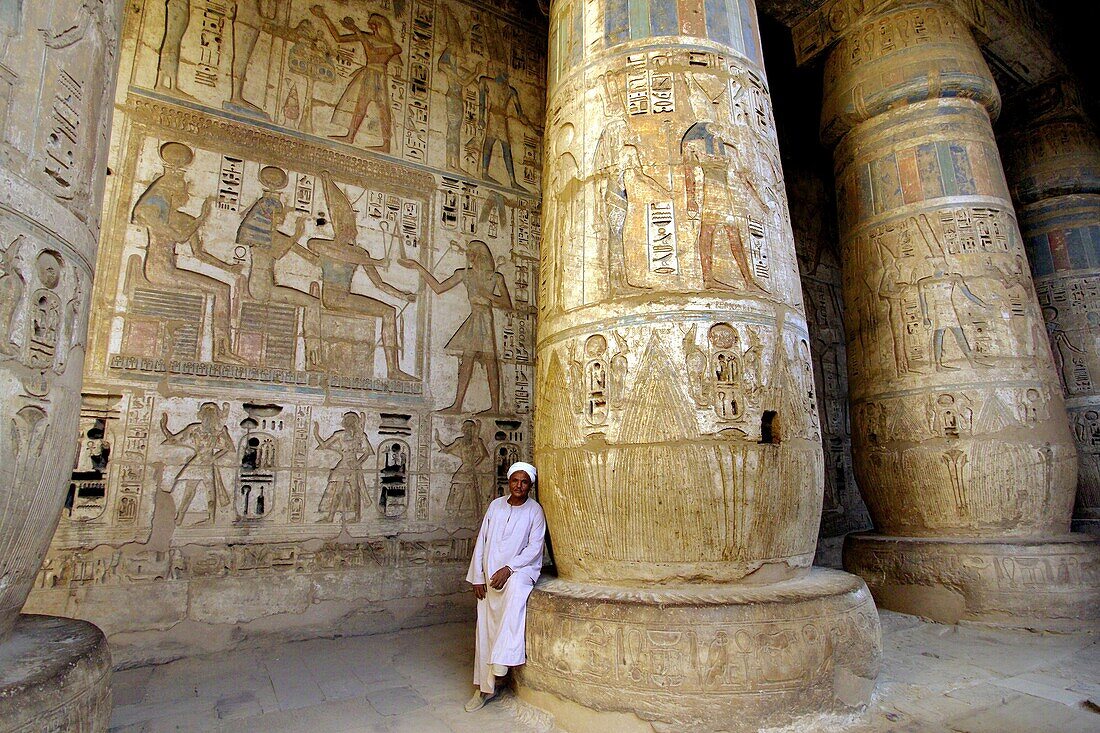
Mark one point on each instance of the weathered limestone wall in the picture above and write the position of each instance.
(310, 358)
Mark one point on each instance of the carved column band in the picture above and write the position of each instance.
(677, 434)
(1053, 167)
(960, 439)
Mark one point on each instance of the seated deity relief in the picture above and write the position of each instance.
(360, 77)
(276, 296)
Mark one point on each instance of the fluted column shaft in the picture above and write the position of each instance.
(1053, 166)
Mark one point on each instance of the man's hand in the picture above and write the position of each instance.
(479, 591)
(500, 577)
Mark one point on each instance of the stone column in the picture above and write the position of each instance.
(1053, 165)
(57, 69)
(961, 444)
(677, 434)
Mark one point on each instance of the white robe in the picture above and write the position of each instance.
(512, 536)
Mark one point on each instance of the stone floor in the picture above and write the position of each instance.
(936, 679)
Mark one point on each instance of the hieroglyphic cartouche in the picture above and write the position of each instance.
(315, 300)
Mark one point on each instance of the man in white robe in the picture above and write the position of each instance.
(506, 563)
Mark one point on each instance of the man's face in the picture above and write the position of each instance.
(519, 485)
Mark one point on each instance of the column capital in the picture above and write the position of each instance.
(1009, 29)
(1050, 145)
(904, 53)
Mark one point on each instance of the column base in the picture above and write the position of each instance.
(1048, 584)
(55, 674)
(701, 658)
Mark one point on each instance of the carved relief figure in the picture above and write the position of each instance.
(895, 289)
(1062, 348)
(259, 231)
(370, 84)
(498, 106)
(457, 77)
(562, 196)
(248, 19)
(209, 442)
(311, 58)
(466, 496)
(12, 286)
(711, 200)
(346, 480)
(340, 257)
(938, 294)
(177, 16)
(611, 198)
(475, 341)
(160, 211)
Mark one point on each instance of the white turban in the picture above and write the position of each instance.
(525, 467)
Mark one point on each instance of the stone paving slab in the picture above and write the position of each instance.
(935, 679)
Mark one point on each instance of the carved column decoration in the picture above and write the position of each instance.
(961, 444)
(57, 69)
(1053, 165)
(677, 434)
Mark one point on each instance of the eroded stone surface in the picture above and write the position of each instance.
(1046, 584)
(54, 675)
(703, 657)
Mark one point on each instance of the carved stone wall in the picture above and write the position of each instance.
(813, 219)
(311, 354)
